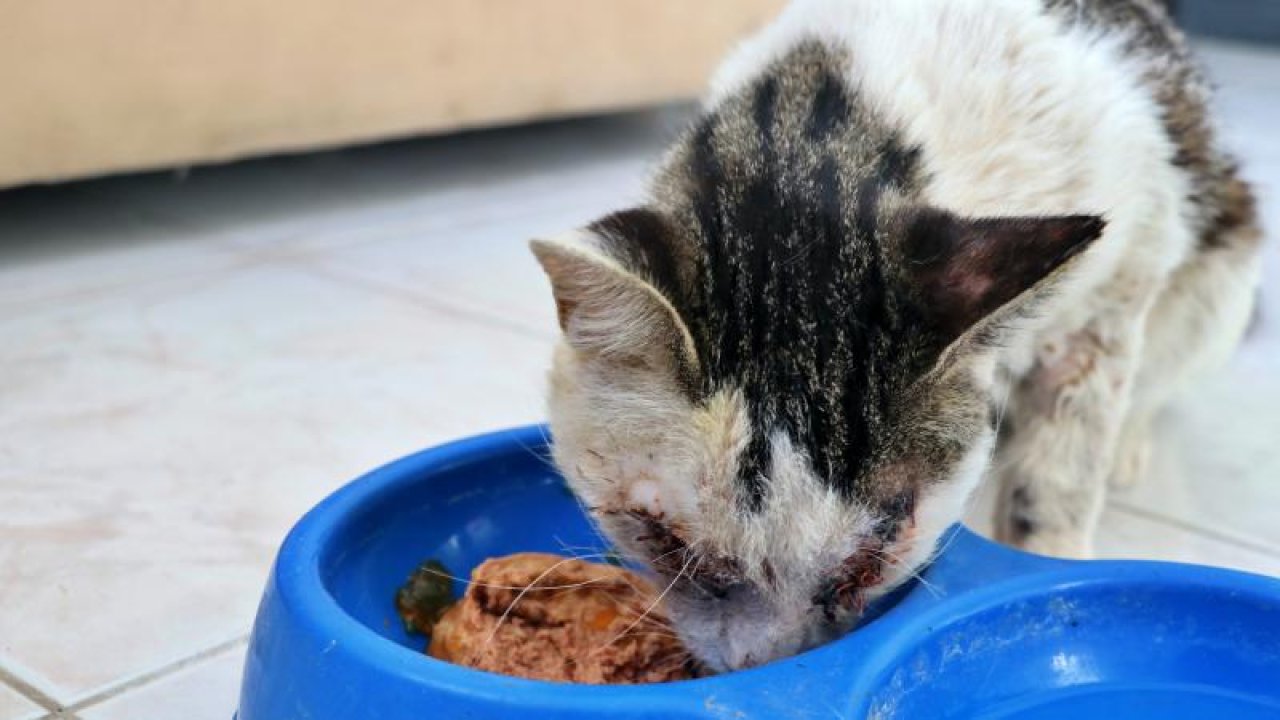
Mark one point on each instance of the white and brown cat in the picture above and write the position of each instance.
(907, 247)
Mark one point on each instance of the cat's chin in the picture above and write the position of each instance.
(731, 657)
(745, 633)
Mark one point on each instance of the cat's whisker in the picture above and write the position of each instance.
(898, 561)
(546, 442)
(592, 551)
(692, 575)
(939, 549)
(649, 609)
(520, 596)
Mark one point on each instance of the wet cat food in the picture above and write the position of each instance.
(547, 617)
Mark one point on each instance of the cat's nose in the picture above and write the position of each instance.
(730, 658)
(729, 654)
(745, 650)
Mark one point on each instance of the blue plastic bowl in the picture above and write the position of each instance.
(994, 634)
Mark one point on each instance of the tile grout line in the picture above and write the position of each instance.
(322, 269)
(29, 691)
(161, 672)
(1223, 537)
(92, 293)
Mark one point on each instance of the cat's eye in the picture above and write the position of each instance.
(898, 510)
(857, 572)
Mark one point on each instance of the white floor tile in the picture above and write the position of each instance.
(469, 249)
(157, 443)
(482, 267)
(1128, 536)
(1217, 461)
(208, 690)
(1247, 80)
(13, 706)
(1124, 534)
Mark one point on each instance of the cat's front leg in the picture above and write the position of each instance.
(1064, 420)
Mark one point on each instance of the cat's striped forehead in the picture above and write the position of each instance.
(768, 248)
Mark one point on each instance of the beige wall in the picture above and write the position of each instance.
(110, 85)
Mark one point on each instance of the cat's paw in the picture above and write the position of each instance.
(1019, 531)
(1042, 523)
(1132, 457)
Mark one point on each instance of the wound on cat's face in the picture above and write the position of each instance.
(751, 394)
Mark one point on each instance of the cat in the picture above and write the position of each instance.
(907, 247)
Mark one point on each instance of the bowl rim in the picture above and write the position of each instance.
(303, 593)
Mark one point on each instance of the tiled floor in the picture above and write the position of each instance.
(188, 364)
(16, 706)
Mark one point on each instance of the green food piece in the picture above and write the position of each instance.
(424, 597)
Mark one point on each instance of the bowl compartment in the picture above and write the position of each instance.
(1142, 638)
(497, 505)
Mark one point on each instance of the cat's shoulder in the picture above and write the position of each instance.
(945, 33)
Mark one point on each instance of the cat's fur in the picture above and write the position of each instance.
(781, 378)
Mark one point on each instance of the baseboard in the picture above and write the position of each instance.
(1250, 20)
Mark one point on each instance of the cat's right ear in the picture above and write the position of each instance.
(608, 312)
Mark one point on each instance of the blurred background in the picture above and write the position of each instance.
(249, 250)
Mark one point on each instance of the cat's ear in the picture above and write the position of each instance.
(966, 270)
(611, 313)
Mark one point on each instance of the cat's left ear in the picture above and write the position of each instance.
(966, 270)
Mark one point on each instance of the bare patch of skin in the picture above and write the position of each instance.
(1062, 366)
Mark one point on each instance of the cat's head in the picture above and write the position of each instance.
(775, 385)
(781, 438)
